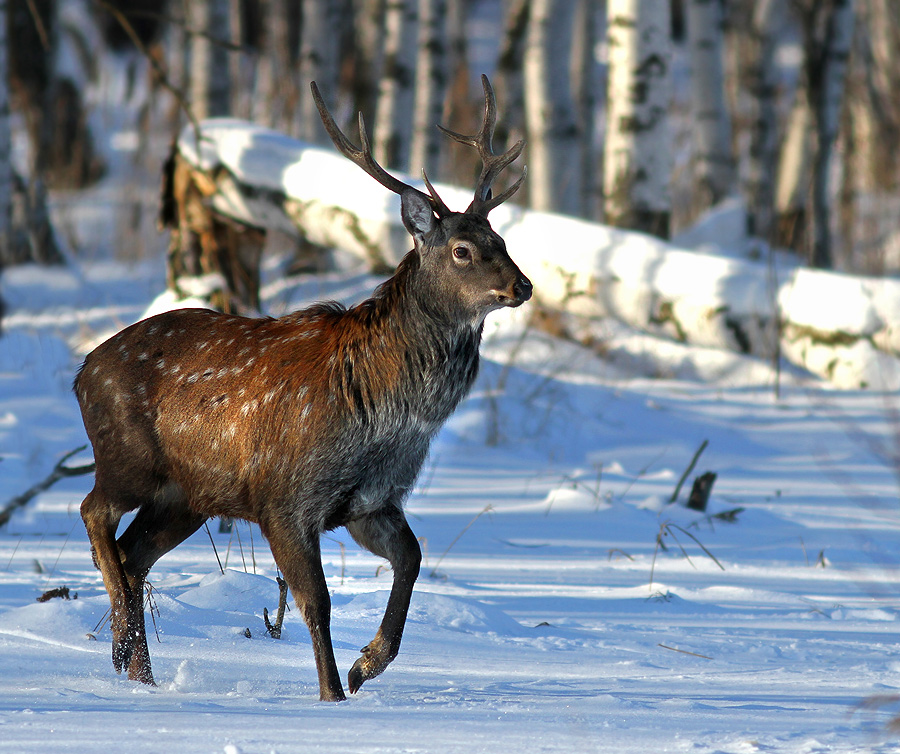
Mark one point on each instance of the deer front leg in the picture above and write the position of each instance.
(388, 535)
(300, 560)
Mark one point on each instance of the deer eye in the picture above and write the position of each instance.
(461, 252)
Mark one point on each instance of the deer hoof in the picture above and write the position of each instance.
(368, 666)
(356, 677)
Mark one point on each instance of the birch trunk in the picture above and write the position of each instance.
(584, 85)
(320, 36)
(714, 166)
(368, 55)
(508, 82)
(461, 111)
(870, 131)
(393, 122)
(553, 162)
(6, 173)
(762, 86)
(792, 184)
(277, 96)
(882, 34)
(210, 79)
(431, 87)
(637, 151)
(826, 71)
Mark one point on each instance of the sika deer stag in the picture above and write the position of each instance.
(319, 419)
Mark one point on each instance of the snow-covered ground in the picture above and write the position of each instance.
(546, 617)
(536, 625)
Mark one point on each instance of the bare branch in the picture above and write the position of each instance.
(60, 471)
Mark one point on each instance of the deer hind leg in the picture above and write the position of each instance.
(388, 535)
(157, 528)
(300, 560)
(101, 519)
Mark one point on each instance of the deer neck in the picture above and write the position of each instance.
(427, 357)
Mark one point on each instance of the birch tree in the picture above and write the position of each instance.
(368, 55)
(828, 35)
(793, 174)
(714, 170)
(584, 87)
(277, 94)
(762, 85)
(210, 83)
(870, 131)
(637, 151)
(431, 87)
(553, 162)
(320, 38)
(393, 125)
(508, 80)
(6, 173)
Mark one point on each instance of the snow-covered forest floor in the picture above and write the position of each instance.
(546, 617)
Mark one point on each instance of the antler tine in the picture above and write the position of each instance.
(492, 165)
(494, 201)
(436, 200)
(363, 157)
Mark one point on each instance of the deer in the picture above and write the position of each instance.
(315, 420)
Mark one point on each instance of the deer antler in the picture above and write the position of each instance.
(364, 159)
(492, 164)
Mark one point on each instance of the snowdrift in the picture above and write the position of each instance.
(840, 327)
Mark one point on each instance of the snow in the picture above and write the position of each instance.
(539, 628)
(564, 603)
(697, 290)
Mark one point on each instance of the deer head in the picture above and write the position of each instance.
(463, 262)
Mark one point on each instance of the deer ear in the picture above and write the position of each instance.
(417, 214)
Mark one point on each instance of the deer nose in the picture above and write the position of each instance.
(522, 289)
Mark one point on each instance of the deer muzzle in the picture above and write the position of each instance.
(517, 294)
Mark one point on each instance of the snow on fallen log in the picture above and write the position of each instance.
(841, 327)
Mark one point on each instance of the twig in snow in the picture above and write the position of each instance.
(275, 629)
(487, 508)
(209, 534)
(688, 470)
(700, 492)
(684, 652)
(343, 557)
(668, 528)
(61, 592)
(60, 471)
